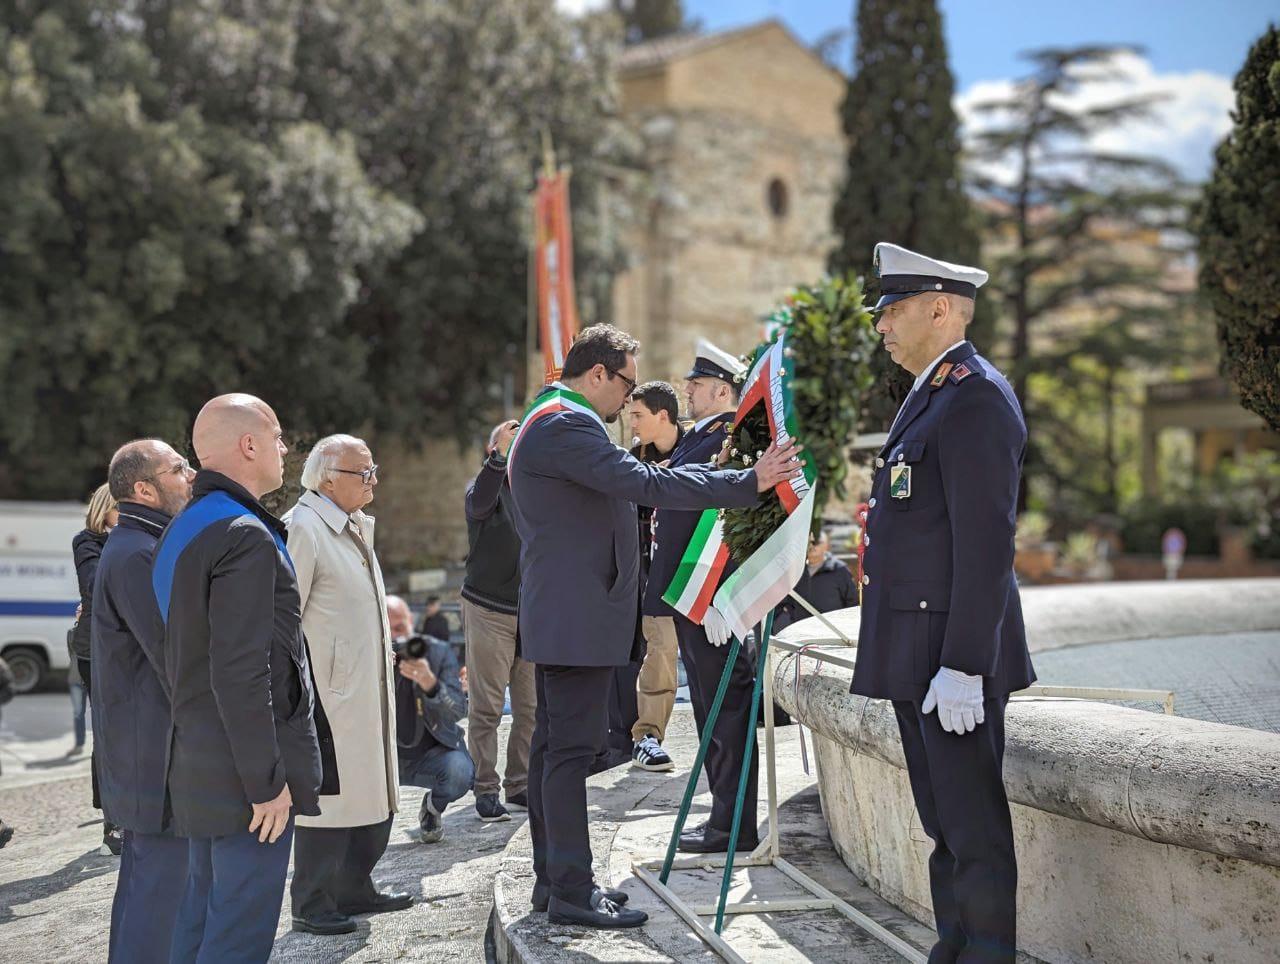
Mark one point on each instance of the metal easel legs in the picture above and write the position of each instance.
(767, 854)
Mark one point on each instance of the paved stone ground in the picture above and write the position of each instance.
(1232, 678)
(56, 890)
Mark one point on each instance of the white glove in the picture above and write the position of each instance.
(717, 630)
(958, 699)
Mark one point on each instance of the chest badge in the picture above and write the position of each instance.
(899, 481)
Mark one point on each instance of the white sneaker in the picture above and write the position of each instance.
(648, 754)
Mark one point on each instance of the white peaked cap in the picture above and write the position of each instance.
(904, 273)
(713, 362)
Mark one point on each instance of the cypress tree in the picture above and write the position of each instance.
(1238, 223)
(903, 182)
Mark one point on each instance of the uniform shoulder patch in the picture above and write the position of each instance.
(960, 373)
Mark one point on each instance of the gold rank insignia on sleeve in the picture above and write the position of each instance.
(940, 375)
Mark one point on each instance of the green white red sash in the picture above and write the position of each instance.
(697, 576)
(559, 399)
(698, 572)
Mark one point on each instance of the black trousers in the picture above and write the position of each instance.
(703, 665)
(622, 716)
(568, 731)
(958, 785)
(83, 666)
(331, 866)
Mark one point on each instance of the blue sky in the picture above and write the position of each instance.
(984, 37)
(1192, 49)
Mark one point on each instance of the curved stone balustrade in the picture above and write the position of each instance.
(1140, 836)
(1059, 616)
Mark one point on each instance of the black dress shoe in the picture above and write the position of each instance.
(380, 904)
(329, 923)
(603, 913)
(712, 841)
(542, 894)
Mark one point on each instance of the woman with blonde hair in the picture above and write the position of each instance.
(86, 547)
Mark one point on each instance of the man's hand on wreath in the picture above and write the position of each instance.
(779, 463)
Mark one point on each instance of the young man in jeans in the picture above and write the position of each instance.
(490, 592)
(653, 417)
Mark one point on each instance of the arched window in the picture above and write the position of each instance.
(776, 196)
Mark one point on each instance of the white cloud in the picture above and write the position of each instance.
(1183, 129)
(576, 8)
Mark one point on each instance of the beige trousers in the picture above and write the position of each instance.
(492, 667)
(656, 685)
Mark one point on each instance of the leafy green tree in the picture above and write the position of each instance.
(157, 253)
(447, 104)
(903, 181)
(322, 202)
(1070, 219)
(1238, 222)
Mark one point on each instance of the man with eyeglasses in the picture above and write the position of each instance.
(344, 617)
(151, 483)
(575, 493)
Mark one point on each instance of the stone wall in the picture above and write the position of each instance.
(712, 258)
(418, 503)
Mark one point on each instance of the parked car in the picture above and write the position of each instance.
(38, 589)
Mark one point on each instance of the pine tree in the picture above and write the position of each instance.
(1238, 223)
(1074, 217)
(648, 19)
(903, 182)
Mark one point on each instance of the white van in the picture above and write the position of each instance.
(38, 588)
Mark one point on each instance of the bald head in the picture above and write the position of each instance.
(399, 617)
(239, 436)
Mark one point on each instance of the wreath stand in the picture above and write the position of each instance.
(765, 855)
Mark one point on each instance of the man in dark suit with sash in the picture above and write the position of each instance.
(574, 493)
(942, 633)
(711, 389)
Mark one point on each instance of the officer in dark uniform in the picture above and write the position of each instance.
(712, 391)
(942, 633)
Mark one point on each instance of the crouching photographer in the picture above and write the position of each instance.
(429, 703)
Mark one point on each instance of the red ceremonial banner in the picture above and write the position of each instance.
(553, 261)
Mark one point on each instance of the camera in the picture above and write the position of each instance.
(411, 647)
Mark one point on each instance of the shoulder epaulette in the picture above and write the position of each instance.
(960, 373)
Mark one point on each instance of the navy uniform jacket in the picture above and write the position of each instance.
(938, 585)
(575, 496)
(673, 528)
(130, 693)
(246, 721)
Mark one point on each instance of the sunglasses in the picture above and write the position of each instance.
(366, 475)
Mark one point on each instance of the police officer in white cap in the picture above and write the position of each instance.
(712, 388)
(942, 633)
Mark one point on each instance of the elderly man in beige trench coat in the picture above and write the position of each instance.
(344, 618)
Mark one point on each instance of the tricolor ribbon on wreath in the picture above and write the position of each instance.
(764, 579)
